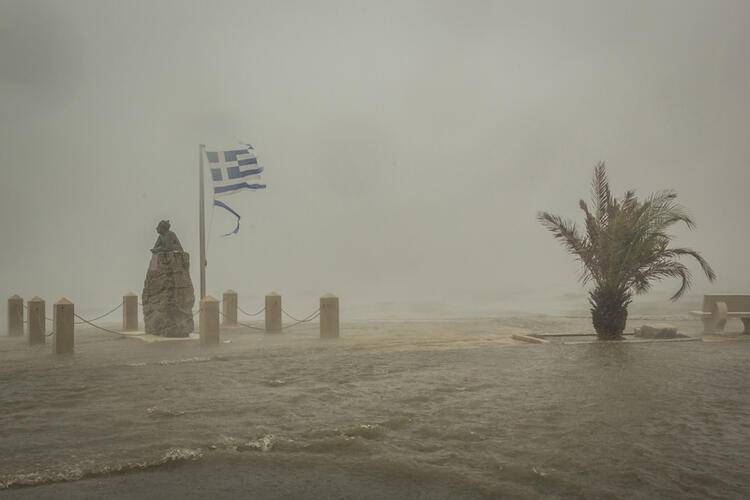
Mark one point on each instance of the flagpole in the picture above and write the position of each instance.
(202, 217)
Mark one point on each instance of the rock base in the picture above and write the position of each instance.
(168, 296)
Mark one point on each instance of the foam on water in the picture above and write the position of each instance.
(80, 471)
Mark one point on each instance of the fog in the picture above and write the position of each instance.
(407, 145)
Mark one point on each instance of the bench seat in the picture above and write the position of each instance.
(745, 314)
(717, 309)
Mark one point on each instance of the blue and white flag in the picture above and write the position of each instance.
(232, 172)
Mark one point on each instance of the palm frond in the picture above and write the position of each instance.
(567, 233)
(564, 230)
(643, 279)
(705, 266)
(592, 225)
(601, 193)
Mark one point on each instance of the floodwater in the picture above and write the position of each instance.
(410, 409)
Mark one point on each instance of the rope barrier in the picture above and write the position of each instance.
(89, 322)
(315, 314)
(249, 314)
(81, 322)
(292, 317)
(251, 327)
(84, 320)
(103, 315)
(309, 318)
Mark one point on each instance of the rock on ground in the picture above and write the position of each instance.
(657, 332)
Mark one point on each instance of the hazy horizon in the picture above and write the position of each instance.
(408, 145)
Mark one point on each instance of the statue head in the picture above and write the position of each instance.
(163, 227)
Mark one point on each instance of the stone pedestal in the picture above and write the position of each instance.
(130, 312)
(329, 316)
(37, 322)
(15, 316)
(273, 312)
(168, 295)
(229, 308)
(64, 327)
(209, 321)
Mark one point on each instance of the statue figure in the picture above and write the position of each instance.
(168, 295)
(167, 240)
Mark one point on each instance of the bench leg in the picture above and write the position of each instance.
(720, 316)
(708, 325)
(746, 324)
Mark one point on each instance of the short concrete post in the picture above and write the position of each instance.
(209, 321)
(130, 312)
(273, 312)
(36, 320)
(15, 316)
(329, 316)
(229, 308)
(64, 328)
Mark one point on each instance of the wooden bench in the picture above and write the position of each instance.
(717, 309)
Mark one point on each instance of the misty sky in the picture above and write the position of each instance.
(407, 145)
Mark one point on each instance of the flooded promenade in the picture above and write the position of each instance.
(450, 408)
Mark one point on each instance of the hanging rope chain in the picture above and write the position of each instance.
(295, 319)
(250, 314)
(310, 317)
(251, 327)
(313, 315)
(307, 319)
(102, 316)
(84, 320)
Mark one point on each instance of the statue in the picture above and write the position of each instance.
(168, 295)
(167, 240)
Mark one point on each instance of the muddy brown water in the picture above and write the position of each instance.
(413, 409)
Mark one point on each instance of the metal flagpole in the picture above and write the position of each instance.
(202, 216)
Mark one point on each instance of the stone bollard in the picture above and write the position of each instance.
(36, 320)
(229, 308)
(273, 312)
(15, 316)
(64, 328)
(209, 321)
(329, 316)
(130, 312)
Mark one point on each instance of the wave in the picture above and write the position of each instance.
(351, 441)
(76, 473)
(195, 359)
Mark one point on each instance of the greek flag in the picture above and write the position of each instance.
(234, 171)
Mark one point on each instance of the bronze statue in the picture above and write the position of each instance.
(167, 240)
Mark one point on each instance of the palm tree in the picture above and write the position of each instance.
(625, 249)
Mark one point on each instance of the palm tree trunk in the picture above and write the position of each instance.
(609, 312)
